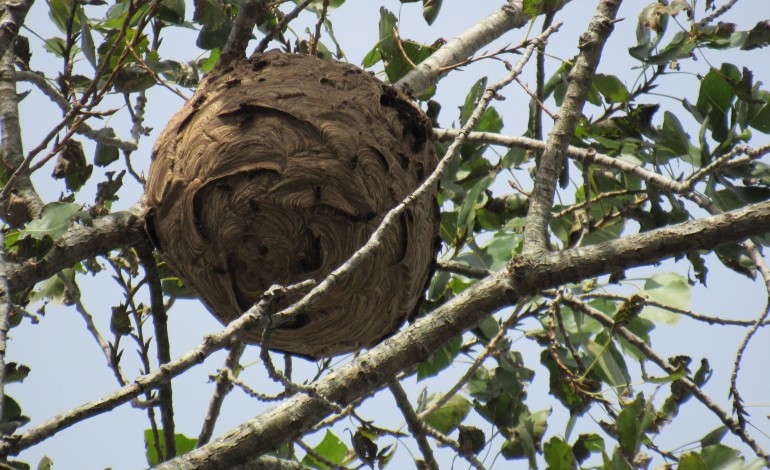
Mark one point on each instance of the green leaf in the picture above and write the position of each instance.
(471, 440)
(55, 45)
(396, 65)
(692, 461)
(210, 38)
(207, 65)
(472, 99)
(721, 456)
(632, 422)
(714, 100)
(59, 11)
(53, 222)
(132, 79)
(16, 372)
(86, 40)
(331, 448)
(611, 88)
(449, 416)
(105, 153)
(439, 360)
(211, 14)
(72, 166)
(46, 463)
(12, 416)
(364, 447)
(430, 9)
(558, 454)
(680, 47)
(184, 445)
(609, 360)
(172, 11)
(120, 321)
(525, 439)
(475, 199)
(673, 141)
(714, 437)
(669, 289)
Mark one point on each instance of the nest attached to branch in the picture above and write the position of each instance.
(277, 170)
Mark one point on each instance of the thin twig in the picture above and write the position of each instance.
(442, 438)
(729, 159)
(279, 377)
(719, 12)
(414, 423)
(160, 321)
(567, 341)
(606, 195)
(488, 349)
(229, 376)
(465, 270)
(74, 292)
(279, 27)
(84, 129)
(401, 48)
(537, 100)
(317, 36)
(688, 313)
(759, 262)
(224, 385)
(686, 382)
(6, 307)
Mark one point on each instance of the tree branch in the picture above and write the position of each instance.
(525, 275)
(414, 423)
(13, 13)
(160, 321)
(6, 307)
(107, 233)
(687, 382)
(224, 386)
(553, 159)
(240, 34)
(431, 70)
(22, 204)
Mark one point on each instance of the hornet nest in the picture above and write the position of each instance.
(277, 170)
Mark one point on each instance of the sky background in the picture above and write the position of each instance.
(68, 368)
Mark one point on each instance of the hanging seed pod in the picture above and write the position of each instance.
(276, 171)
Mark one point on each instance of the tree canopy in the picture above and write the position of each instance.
(600, 291)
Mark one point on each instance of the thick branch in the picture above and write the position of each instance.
(526, 275)
(80, 242)
(240, 34)
(429, 72)
(11, 18)
(24, 203)
(553, 159)
(372, 370)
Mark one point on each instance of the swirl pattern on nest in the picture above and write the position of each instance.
(277, 170)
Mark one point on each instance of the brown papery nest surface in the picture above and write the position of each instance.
(276, 171)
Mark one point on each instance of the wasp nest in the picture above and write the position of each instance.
(277, 170)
